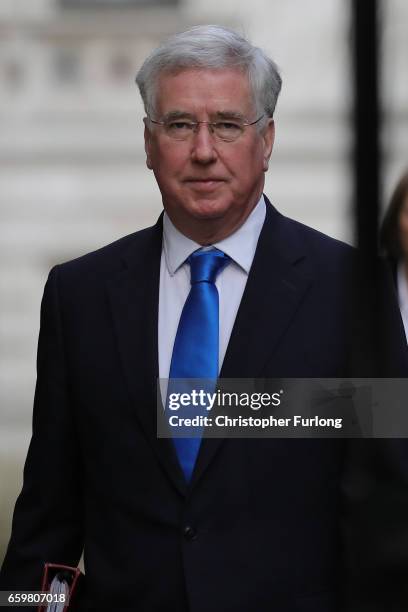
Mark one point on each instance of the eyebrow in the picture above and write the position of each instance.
(224, 114)
(176, 114)
(227, 114)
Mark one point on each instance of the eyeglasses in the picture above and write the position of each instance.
(226, 130)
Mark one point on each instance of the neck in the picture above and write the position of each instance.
(405, 268)
(209, 231)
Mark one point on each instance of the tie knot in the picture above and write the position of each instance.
(206, 265)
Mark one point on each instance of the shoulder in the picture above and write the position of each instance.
(296, 241)
(326, 260)
(110, 259)
(318, 243)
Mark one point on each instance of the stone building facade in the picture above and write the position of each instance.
(73, 175)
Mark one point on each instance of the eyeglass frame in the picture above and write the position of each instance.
(210, 125)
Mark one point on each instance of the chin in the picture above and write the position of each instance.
(205, 208)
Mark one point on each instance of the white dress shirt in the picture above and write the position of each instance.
(230, 282)
(402, 285)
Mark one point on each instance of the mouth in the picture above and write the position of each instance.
(204, 184)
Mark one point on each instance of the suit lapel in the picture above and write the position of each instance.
(134, 298)
(274, 291)
(276, 286)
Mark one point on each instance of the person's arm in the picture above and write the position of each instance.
(375, 525)
(375, 494)
(48, 515)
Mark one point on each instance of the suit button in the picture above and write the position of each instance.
(189, 533)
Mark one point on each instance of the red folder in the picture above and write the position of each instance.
(71, 575)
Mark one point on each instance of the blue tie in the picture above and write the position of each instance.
(195, 351)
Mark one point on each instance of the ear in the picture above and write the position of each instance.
(268, 136)
(148, 143)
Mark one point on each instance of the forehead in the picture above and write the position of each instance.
(204, 91)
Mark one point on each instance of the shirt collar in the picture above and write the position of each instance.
(240, 245)
(402, 287)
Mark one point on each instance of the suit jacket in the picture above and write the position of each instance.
(267, 525)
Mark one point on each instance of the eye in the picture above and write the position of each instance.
(228, 130)
(228, 125)
(179, 125)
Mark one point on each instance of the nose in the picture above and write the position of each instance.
(203, 150)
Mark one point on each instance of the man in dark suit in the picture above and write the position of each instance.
(227, 525)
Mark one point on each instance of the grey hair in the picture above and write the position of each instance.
(212, 46)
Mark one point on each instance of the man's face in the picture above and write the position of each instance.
(403, 226)
(207, 184)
